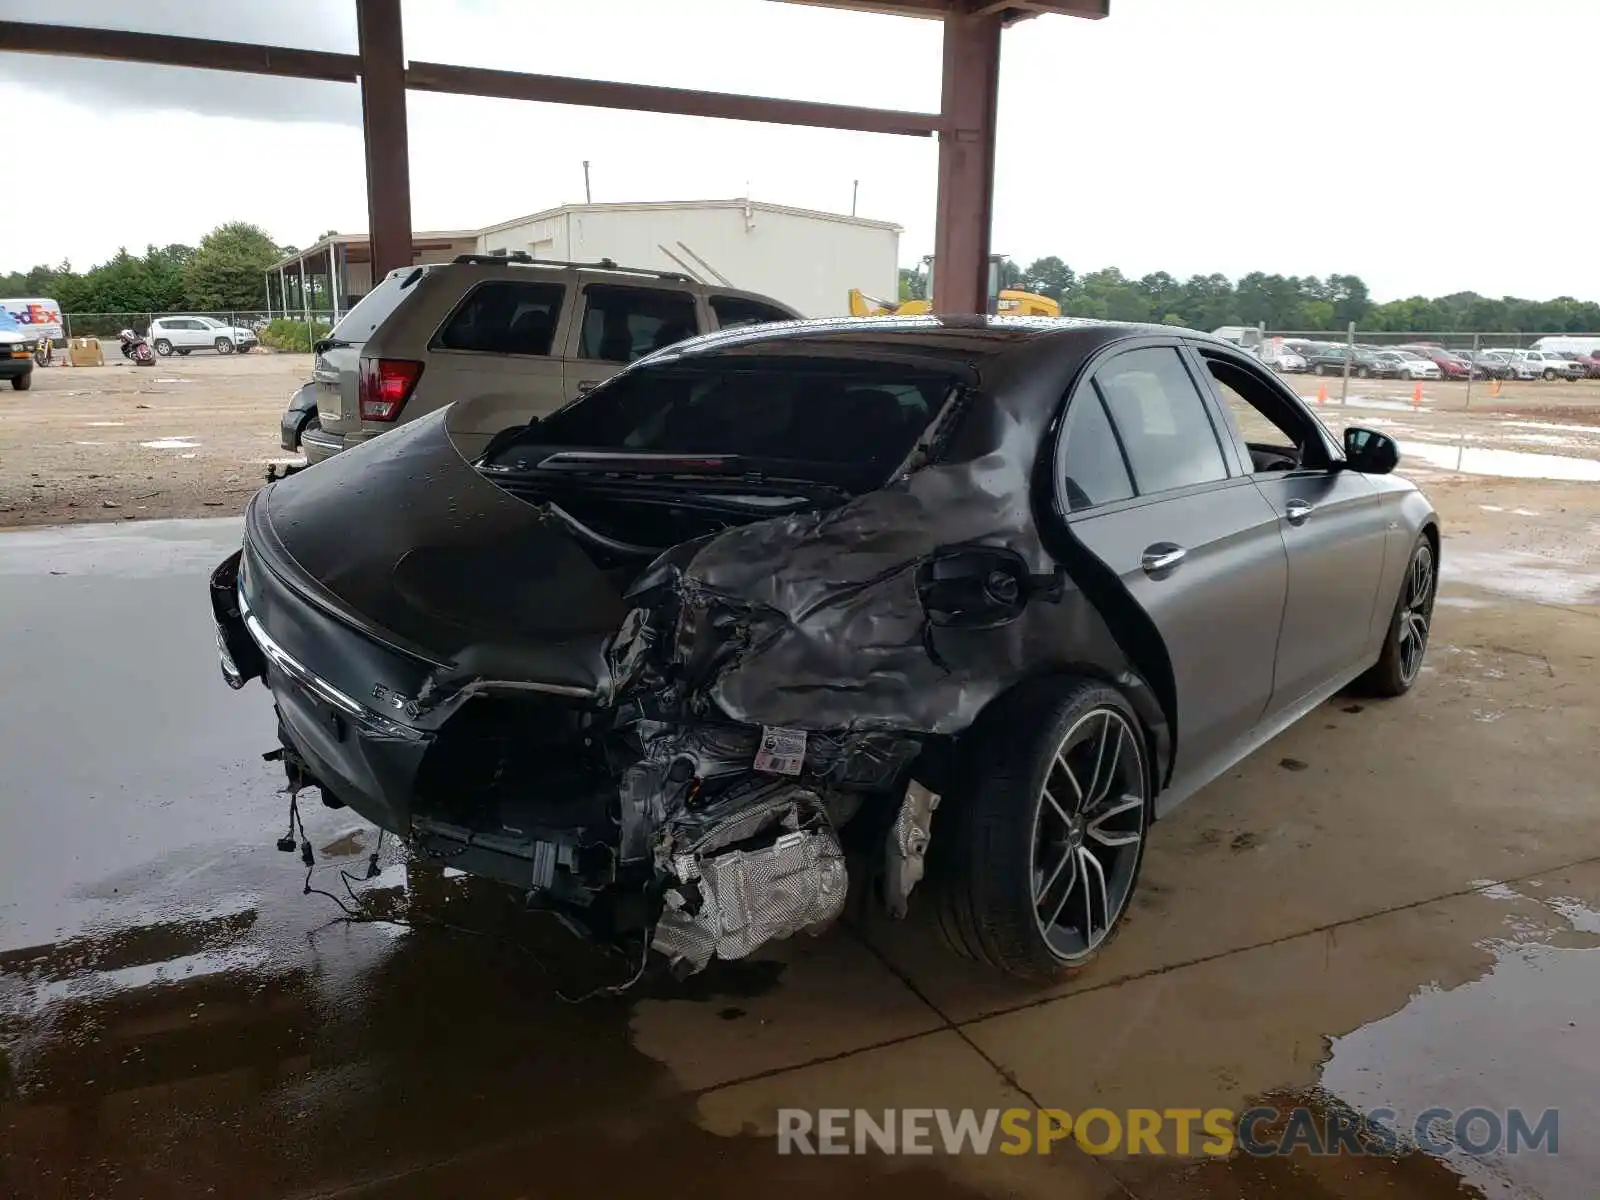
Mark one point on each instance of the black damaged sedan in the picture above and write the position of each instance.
(794, 609)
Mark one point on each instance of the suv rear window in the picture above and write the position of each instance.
(374, 308)
(733, 311)
(822, 412)
(505, 317)
(621, 324)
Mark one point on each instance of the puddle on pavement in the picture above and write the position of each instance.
(247, 1054)
(1511, 464)
(1591, 430)
(171, 443)
(1526, 576)
(1522, 1036)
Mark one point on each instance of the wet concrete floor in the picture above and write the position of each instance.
(1391, 906)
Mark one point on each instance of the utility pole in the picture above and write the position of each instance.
(1349, 353)
(587, 199)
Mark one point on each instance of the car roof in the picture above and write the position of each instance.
(954, 336)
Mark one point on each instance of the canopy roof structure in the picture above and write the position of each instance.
(964, 125)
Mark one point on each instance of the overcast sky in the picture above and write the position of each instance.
(1428, 146)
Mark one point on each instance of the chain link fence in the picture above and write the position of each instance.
(1465, 358)
(272, 329)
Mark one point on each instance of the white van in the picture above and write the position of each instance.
(1567, 344)
(38, 316)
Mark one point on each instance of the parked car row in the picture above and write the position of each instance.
(1425, 360)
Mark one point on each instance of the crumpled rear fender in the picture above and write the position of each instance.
(815, 622)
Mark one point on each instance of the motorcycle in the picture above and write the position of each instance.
(136, 348)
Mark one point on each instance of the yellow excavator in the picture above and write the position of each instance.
(1009, 302)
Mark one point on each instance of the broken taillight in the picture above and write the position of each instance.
(383, 385)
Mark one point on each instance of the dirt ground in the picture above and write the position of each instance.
(194, 436)
(187, 437)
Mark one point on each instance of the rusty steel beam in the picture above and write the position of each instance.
(966, 163)
(122, 46)
(638, 97)
(383, 129)
(937, 9)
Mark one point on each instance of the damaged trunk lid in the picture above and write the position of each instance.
(517, 569)
(405, 542)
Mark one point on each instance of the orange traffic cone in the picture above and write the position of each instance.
(1416, 396)
(1322, 393)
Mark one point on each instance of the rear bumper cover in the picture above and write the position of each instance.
(359, 754)
(319, 444)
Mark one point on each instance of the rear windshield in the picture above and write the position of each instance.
(374, 308)
(837, 412)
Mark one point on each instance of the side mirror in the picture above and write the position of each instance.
(1370, 452)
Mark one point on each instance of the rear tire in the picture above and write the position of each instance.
(1549, 372)
(1317, 370)
(1406, 644)
(163, 347)
(1038, 847)
(1362, 372)
(224, 346)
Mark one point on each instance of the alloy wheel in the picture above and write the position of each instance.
(1416, 614)
(1089, 828)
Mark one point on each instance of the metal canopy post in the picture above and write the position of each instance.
(966, 162)
(383, 127)
(334, 289)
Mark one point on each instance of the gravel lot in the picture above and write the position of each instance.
(193, 437)
(188, 437)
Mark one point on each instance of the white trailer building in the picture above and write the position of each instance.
(807, 259)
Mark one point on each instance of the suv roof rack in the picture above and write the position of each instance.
(605, 264)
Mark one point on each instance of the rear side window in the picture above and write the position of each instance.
(733, 311)
(621, 324)
(374, 308)
(1161, 419)
(1093, 470)
(505, 317)
(818, 412)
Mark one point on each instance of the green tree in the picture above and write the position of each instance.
(1049, 276)
(1348, 295)
(1207, 301)
(228, 269)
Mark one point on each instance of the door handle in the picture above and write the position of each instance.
(1296, 511)
(1161, 559)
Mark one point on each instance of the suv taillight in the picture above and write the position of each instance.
(383, 385)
